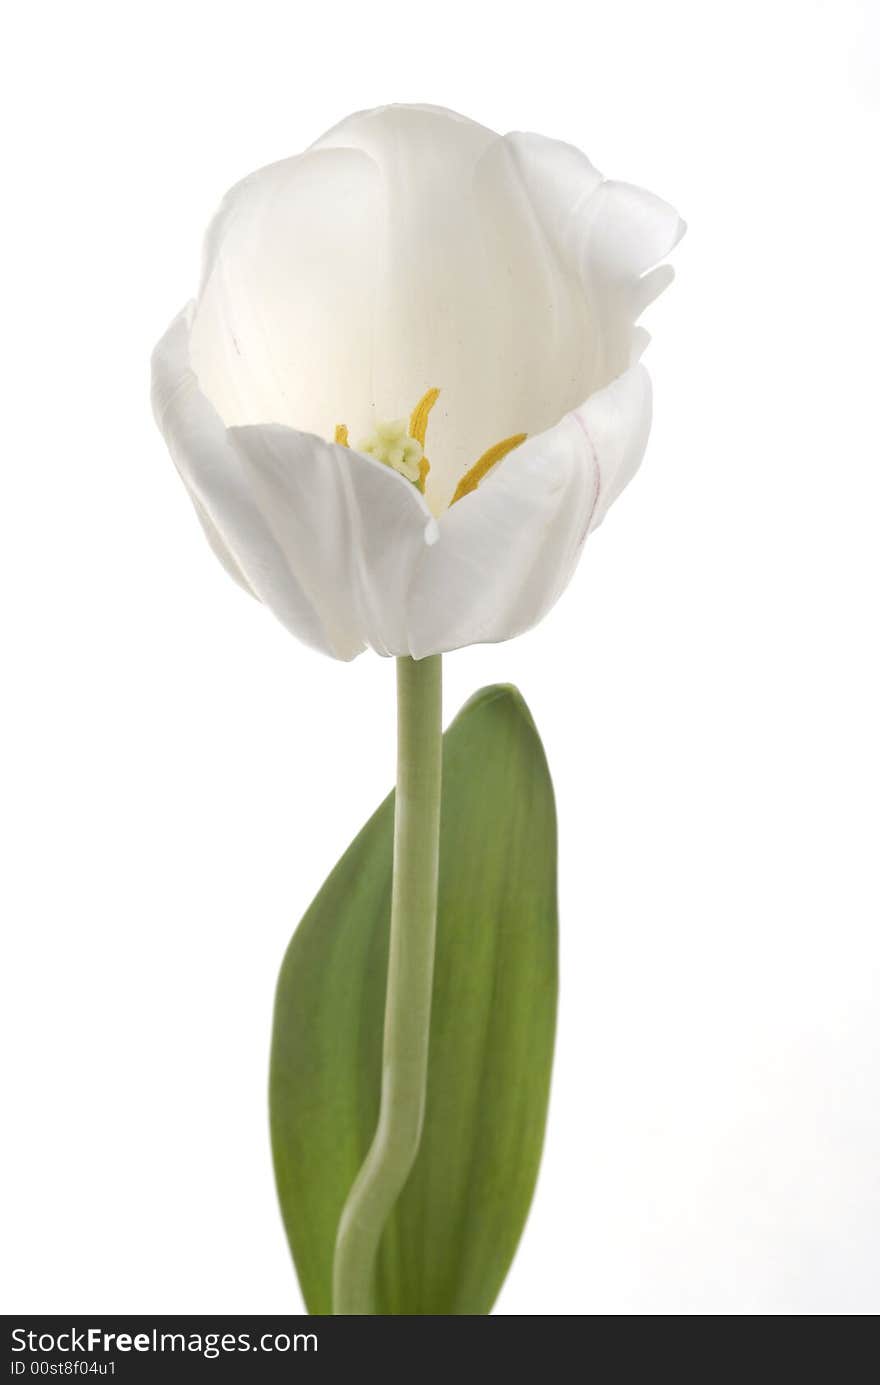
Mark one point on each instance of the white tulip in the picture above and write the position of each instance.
(411, 251)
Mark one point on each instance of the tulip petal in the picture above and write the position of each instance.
(286, 314)
(506, 552)
(609, 233)
(354, 529)
(616, 422)
(630, 231)
(218, 547)
(464, 277)
(560, 180)
(219, 487)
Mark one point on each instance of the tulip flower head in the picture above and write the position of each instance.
(414, 268)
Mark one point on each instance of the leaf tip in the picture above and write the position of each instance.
(505, 693)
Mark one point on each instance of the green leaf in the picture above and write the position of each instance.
(453, 1233)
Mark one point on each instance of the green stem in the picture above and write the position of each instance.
(408, 992)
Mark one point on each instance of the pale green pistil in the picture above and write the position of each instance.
(392, 444)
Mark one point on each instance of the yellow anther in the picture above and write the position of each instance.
(474, 475)
(418, 419)
(418, 428)
(341, 436)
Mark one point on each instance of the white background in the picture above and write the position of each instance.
(179, 775)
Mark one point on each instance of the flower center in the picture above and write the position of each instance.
(391, 443)
(402, 447)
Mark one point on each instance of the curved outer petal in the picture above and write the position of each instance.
(321, 535)
(506, 552)
(354, 530)
(609, 233)
(616, 422)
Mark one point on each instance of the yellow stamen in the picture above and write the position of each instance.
(341, 436)
(418, 428)
(418, 419)
(474, 475)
